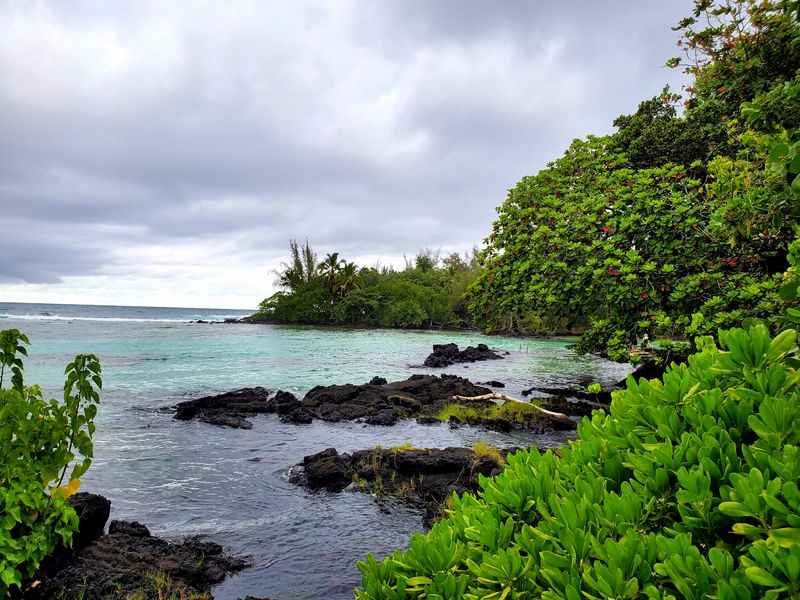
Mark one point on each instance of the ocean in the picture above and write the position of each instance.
(230, 485)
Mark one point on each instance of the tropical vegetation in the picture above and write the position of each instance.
(677, 224)
(46, 447)
(427, 293)
(688, 486)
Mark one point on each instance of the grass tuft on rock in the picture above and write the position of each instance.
(486, 450)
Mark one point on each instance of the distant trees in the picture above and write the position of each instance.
(427, 293)
(301, 269)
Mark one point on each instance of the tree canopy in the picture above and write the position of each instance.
(678, 223)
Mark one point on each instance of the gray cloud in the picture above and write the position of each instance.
(41, 253)
(377, 128)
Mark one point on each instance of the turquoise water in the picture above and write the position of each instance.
(230, 485)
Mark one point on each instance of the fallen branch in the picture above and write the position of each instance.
(497, 398)
(591, 403)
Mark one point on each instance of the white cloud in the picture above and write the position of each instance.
(163, 153)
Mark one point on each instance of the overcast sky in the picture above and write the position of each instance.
(163, 153)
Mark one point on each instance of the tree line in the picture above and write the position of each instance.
(428, 293)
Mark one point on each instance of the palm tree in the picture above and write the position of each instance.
(329, 268)
(348, 278)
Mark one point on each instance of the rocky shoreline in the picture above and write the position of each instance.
(647, 370)
(259, 319)
(426, 398)
(421, 477)
(127, 562)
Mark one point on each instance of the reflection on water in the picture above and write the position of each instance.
(185, 478)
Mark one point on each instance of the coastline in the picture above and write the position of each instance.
(255, 319)
(174, 457)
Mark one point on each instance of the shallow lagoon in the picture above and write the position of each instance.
(186, 478)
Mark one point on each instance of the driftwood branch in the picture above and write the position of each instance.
(497, 398)
(594, 404)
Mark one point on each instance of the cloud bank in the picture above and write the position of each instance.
(164, 153)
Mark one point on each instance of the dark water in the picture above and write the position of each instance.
(231, 485)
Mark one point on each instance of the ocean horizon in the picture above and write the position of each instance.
(43, 311)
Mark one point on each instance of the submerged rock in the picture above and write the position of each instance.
(127, 562)
(444, 355)
(427, 420)
(647, 370)
(224, 420)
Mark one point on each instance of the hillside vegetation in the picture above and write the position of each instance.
(687, 487)
(678, 223)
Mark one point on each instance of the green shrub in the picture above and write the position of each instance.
(687, 488)
(406, 313)
(39, 440)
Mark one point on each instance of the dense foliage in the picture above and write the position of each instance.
(39, 440)
(428, 293)
(686, 489)
(675, 225)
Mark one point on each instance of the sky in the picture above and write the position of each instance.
(163, 153)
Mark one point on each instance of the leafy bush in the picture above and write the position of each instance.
(688, 488)
(654, 135)
(593, 243)
(39, 440)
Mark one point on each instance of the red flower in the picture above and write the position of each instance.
(605, 229)
(644, 296)
(613, 272)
